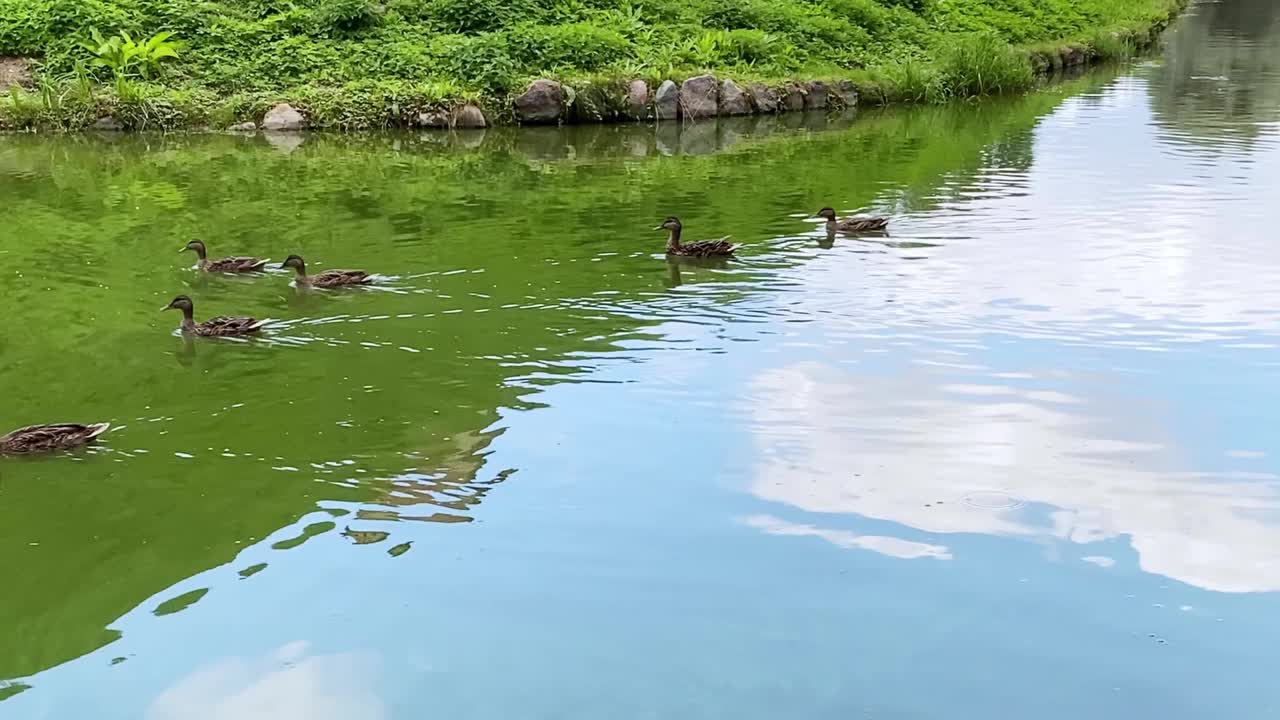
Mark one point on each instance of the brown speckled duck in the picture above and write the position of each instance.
(856, 224)
(47, 438)
(326, 278)
(221, 326)
(225, 265)
(702, 248)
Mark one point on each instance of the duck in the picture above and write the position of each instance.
(221, 326)
(47, 438)
(225, 265)
(326, 278)
(856, 224)
(702, 248)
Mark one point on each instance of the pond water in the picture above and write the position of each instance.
(1016, 459)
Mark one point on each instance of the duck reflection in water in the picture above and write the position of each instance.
(186, 355)
(676, 264)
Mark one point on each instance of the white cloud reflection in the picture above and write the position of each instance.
(288, 684)
(885, 545)
(909, 451)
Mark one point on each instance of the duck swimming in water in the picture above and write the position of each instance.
(47, 438)
(326, 278)
(221, 326)
(702, 248)
(225, 265)
(856, 224)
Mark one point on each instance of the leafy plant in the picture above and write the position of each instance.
(346, 15)
(704, 50)
(123, 55)
(983, 64)
(751, 47)
(1110, 44)
(921, 7)
(584, 46)
(912, 82)
(477, 16)
(714, 48)
(484, 61)
(22, 111)
(627, 20)
(83, 84)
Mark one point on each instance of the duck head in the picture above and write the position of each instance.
(672, 223)
(182, 302)
(826, 213)
(196, 246)
(295, 262)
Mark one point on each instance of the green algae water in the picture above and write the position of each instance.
(1015, 459)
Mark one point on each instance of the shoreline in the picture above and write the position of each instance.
(552, 101)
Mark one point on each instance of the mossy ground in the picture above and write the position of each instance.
(370, 64)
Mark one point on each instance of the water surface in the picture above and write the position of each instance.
(1016, 459)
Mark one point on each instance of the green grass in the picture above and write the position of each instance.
(361, 63)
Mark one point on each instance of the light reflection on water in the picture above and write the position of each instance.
(1015, 456)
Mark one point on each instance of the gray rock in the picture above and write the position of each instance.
(469, 116)
(816, 97)
(638, 99)
(846, 93)
(244, 127)
(699, 96)
(733, 100)
(433, 119)
(283, 118)
(766, 99)
(666, 102)
(793, 98)
(541, 103)
(108, 123)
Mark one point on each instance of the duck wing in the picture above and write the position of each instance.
(236, 264)
(709, 248)
(335, 278)
(864, 223)
(224, 325)
(56, 436)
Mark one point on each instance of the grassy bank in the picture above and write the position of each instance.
(367, 63)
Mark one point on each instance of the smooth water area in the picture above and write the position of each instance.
(1016, 459)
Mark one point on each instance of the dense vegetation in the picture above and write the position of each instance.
(372, 63)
